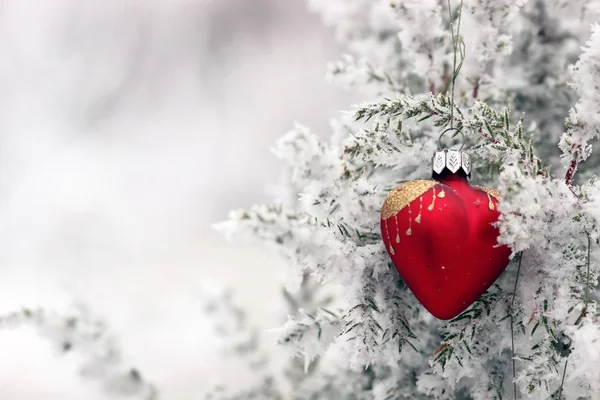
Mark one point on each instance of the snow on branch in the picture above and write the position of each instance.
(462, 332)
(497, 140)
(320, 246)
(382, 319)
(265, 390)
(309, 335)
(230, 321)
(583, 123)
(368, 28)
(231, 324)
(424, 51)
(331, 229)
(76, 332)
(386, 145)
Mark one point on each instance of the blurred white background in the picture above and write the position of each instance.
(128, 127)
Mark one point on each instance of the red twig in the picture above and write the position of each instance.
(570, 174)
(476, 88)
(405, 319)
(442, 347)
(432, 87)
(531, 318)
(488, 137)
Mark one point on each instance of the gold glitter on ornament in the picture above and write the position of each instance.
(442, 194)
(491, 192)
(392, 252)
(403, 195)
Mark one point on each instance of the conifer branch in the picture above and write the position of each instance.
(77, 332)
(500, 138)
(337, 197)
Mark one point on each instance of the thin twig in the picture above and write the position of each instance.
(562, 382)
(587, 281)
(512, 331)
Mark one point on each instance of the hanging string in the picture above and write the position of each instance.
(458, 47)
(512, 330)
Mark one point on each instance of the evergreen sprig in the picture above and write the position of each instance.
(339, 187)
(461, 332)
(308, 327)
(77, 332)
(501, 139)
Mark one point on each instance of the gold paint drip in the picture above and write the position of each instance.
(442, 194)
(397, 229)
(387, 230)
(491, 203)
(403, 195)
(387, 234)
(491, 192)
(418, 219)
(409, 230)
(430, 207)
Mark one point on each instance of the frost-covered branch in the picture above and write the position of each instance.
(491, 133)
(231, 324)
(583, 123)
(230, 321)
(76, 332)
(517, 58)
(310, 335)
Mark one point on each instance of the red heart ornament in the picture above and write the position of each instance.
(440, 237)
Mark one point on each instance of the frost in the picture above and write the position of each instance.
(383, 344)
(584, 119)
(583, 376)
(75, 331)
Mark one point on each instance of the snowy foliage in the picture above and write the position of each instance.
(231, 323)
(521, 56)
(75, 331)
(583, 121)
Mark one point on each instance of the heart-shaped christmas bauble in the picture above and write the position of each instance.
(441, 238)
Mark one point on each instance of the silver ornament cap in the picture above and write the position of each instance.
(451, 160)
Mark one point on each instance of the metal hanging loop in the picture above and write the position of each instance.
(449, 159)
(448, 130)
